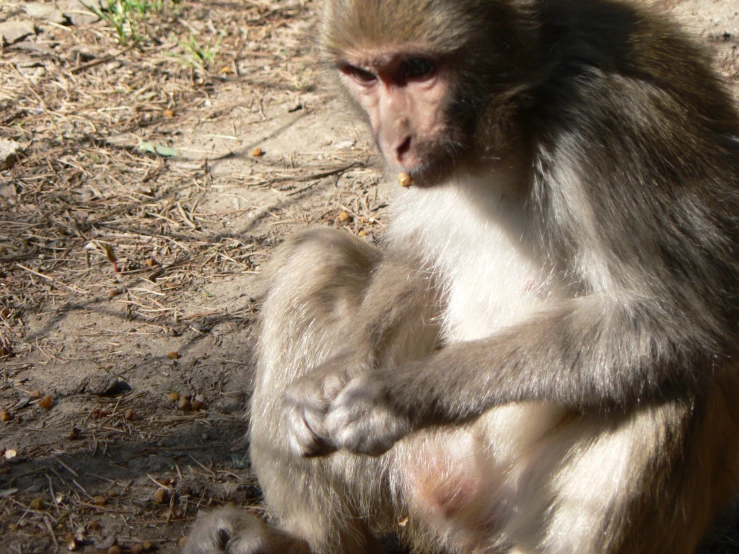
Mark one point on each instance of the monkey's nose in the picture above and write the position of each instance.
(402, 149)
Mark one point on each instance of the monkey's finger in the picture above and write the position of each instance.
(304, 440)
(322, 443)
(365, 433)
(361, 421)
(332, 385)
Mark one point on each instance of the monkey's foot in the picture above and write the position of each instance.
(237, 532)
(362, 420)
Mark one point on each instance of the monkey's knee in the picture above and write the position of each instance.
(315, 285)
(237, 532)
(320, 262)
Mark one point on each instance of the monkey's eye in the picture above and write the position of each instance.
(358, 74)
(417, 68)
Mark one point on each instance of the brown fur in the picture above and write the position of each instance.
(542, 359)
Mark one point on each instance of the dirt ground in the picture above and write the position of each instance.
(155, 169)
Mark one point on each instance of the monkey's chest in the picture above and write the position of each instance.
(472, 238)
(488, 286)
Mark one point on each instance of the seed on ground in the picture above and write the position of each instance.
(160, 496)
(46, 403)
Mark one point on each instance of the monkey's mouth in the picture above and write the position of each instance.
(426, 173)
(421, 176)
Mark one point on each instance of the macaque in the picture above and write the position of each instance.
(542, 358)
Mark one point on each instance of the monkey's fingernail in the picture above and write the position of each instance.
(404, 179)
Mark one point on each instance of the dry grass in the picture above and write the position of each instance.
(86, 212)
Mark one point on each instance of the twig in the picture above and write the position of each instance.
(104, 59)
(65, 466)
(310, 177)
(165, 487)
(52, 279)
(51, 533)
(213, 473)
(87, 494)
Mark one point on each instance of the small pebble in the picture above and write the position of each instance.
(46, 403)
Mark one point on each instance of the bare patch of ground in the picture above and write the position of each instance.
(154, 173)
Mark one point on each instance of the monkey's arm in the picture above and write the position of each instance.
(397, 319)
(587, 354)
(645, 219)
(394, 322)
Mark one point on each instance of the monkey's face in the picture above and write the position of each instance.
(425, 72)
(404, 94)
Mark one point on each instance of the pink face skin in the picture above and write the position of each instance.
(403, 94)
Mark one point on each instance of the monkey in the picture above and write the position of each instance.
(541, 357)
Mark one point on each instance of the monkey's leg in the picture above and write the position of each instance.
(314, 291)
(307, 317)
(336, 307)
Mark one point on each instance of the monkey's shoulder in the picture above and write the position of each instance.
(642, 58)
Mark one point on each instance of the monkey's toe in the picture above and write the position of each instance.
(234, 531)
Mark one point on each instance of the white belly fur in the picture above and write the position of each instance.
(510, 456)
(471, 237)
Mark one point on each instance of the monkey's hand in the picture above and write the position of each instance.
(308, 400)
(361, 418)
